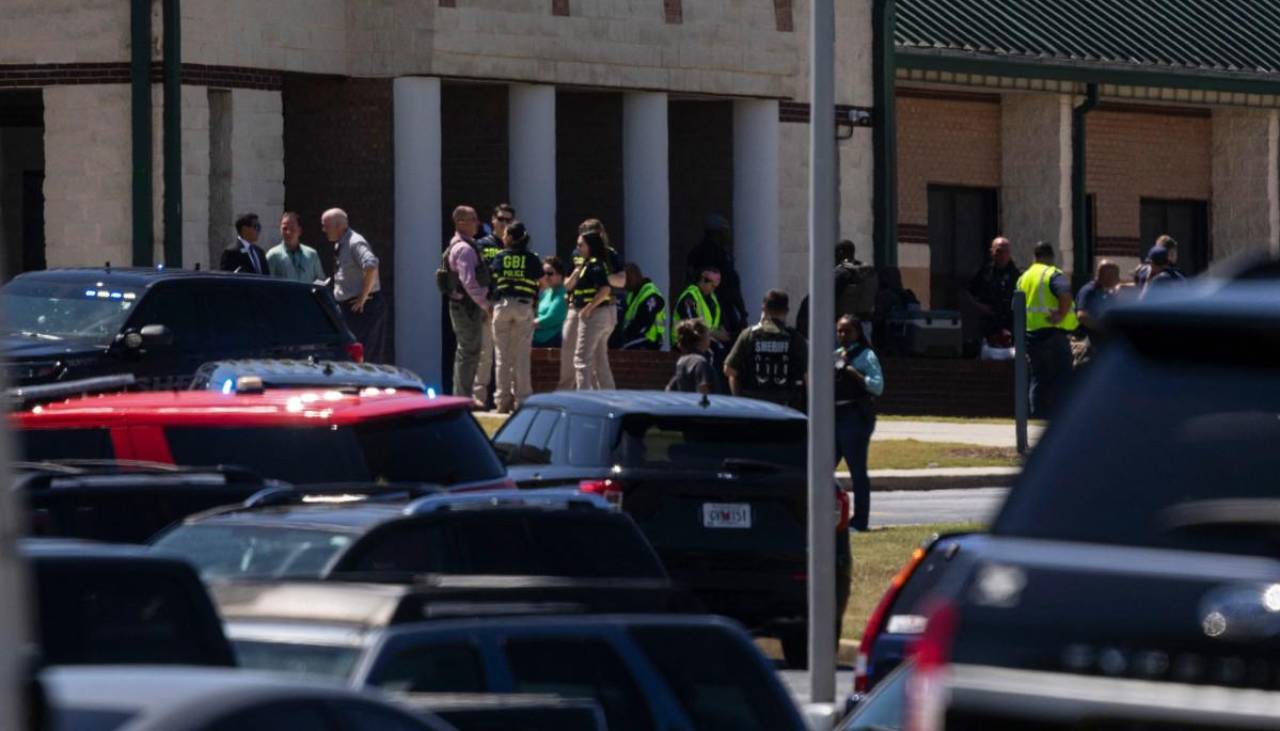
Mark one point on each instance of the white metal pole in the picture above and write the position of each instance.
(822, 236)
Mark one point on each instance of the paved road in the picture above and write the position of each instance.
(987, 435)
(912, 507)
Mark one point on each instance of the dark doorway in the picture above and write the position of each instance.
(700, 154)
(33, 220)
(962, 223)
(588, 168)
(21, 181)
(1187, 222)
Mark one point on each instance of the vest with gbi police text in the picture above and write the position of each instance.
(516, 273)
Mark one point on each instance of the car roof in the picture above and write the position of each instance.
(56, 548)
(663, 403)
(280, 372)
(142, 277)
(283, 407)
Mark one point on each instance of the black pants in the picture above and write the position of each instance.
(854, 427)
(369, 326)
(1049, 353)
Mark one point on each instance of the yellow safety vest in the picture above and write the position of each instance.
(1041, 301)
(709, 316)
(657, 332)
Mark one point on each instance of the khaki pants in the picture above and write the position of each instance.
(568, 342)
(484, 368)
(603, 373)
(512, 341)
(592, 343)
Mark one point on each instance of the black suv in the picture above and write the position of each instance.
(1132, 578)
(719, 489)
(159, 324)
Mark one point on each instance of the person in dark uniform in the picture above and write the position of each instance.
(991, 292)
(516, 272)
(644, 320)
(245, 255)
(770, 360)
(489, 246)
(859, 381)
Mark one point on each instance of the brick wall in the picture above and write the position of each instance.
(944, 142)
(339, 154)
(632, 369)
(700, 148)
(1135, 155)
(588, 167)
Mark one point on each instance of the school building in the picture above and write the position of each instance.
(134, 131)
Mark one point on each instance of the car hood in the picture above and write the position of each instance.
(21, 347)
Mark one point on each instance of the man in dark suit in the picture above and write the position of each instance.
(245, 255)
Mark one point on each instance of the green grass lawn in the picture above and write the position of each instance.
(878, 555)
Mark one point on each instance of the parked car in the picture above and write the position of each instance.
(509, 712)
(160, 324)
(111, 698)
(126, 502)
(899, 618)
(646, 672)
(100, 604)
(258, 373)
(500, 532)
(301, 436)
(1131, 578)
(718, 488)
(883, 709)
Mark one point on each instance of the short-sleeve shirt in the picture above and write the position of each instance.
(593, 278)
(692, 370)
(352, 256)
(771, 360)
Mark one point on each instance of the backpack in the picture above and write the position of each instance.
(446, 279)
(858, 295)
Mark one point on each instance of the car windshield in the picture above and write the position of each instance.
(706, 443)
(328, 662)
(1146, 448)
(64, 311)
(443, 448)
(241, 551)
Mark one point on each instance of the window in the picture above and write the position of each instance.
(179, 307)
(360, 715)
(589, 546)
(240, 327)
(580, 668)
(718, 679)
(43, 310)
(445, 448)
(36, 445)
(588, 441)
(437, 668)
(310, 715)
(240, 551)
(702, 443)
(326, 662)
(509, 438)
(540, 443)
(413, 546)
(295, 316)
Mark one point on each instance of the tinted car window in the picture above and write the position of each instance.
(702, 443)
(509, 438)
(312, 715)
(588, 440)
(179, 307)
(1141, 443)
(719, 680)
(295, 315)
(238, 551)
(88, 615)
(66, 311)
(540, 443)
(41, 444)
(313, 661)
(364, 716)
(445, 448)
(580, 668)
(443, 668)
(241, 326)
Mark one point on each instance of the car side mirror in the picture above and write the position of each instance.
(149, 335)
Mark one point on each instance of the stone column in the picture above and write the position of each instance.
(1246, 199)
(645, 187)
(532, 161)
(418, 222)
(1035, 197)
(755, 199)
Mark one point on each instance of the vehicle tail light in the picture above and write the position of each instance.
(608, 489)
(876, 622)
(356, 351)
(842, 510)
(926, 689)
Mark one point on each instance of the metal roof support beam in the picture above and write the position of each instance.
(884, 135)
(1081, 236)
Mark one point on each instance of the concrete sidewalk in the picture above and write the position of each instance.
(945, 478)
(981, 434)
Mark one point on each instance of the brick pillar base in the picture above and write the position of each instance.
(632, 369)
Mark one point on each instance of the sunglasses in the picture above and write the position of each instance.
(548, 272)
(710, 281)
(504, 219)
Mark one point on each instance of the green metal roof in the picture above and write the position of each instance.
(1237, 39)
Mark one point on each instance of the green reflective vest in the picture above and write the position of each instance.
(657, 332)
(1041, 301)
(709, 316)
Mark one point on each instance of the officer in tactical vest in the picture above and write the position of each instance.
(699, 300)
(489, 246)
(1051, 316)
(516, 271)
(644, 321)
(770, 360)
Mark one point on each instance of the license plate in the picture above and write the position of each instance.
(726, 515)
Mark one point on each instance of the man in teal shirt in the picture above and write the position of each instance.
(553, 306)
(291, 259)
